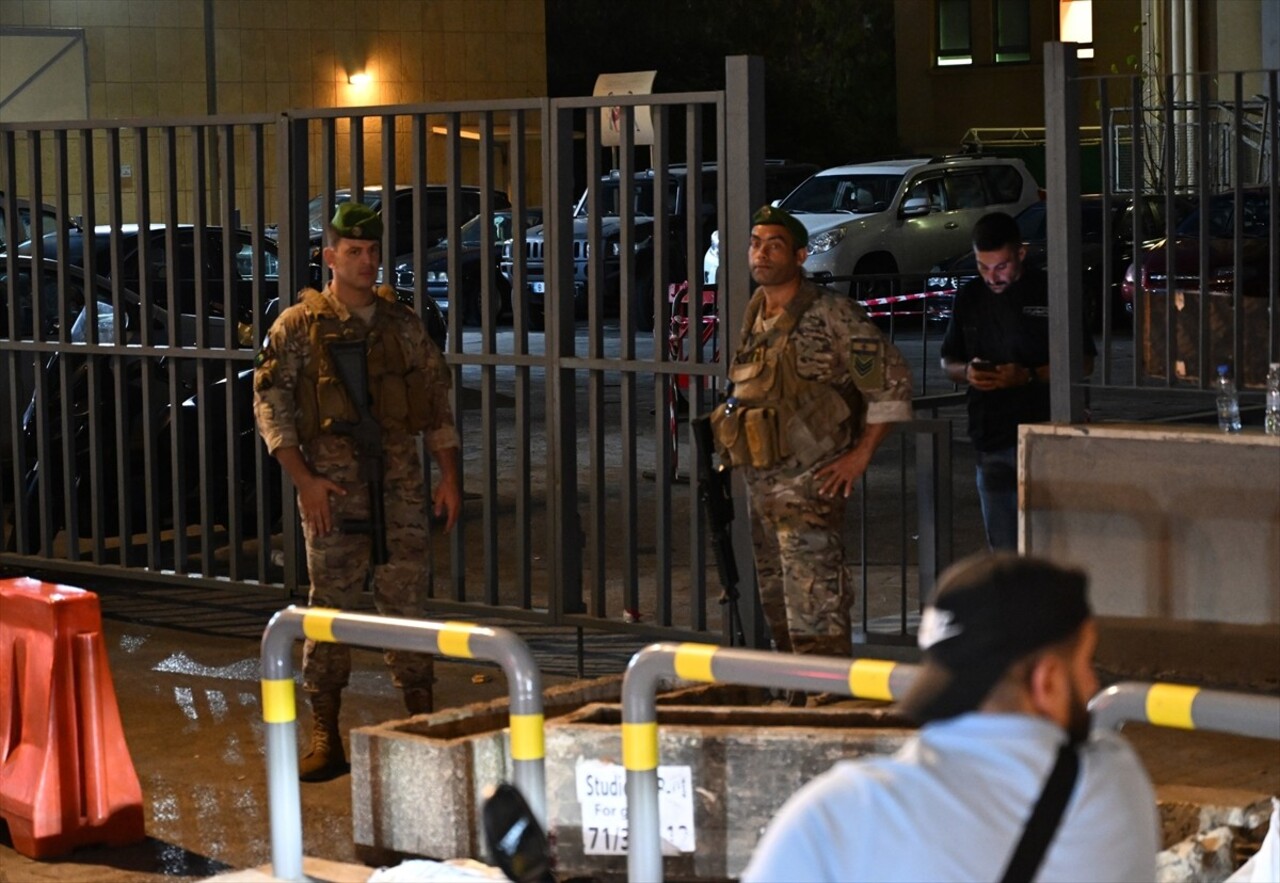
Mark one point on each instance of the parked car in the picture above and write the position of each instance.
(147, 396)
(641, 198)
(950, 276)
(135, 398)
(902, 216)
(1258, 240)
(21, 231)
(465, 289)
(405, 243)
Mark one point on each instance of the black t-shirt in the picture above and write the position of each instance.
(1012, 326)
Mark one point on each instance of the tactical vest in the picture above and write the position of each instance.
(773, 414)
(399, 393)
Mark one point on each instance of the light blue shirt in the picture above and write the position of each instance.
(952, 804)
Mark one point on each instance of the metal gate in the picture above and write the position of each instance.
(139, 449)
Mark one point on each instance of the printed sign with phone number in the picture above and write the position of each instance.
(602, 793)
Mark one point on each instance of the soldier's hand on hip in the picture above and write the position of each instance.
(838, 477)
(313, 499)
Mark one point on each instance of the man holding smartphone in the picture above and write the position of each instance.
(998, 343)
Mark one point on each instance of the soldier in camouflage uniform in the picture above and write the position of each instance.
(816, 389)
(300, 405)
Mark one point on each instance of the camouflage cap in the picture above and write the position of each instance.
(774, 216)
(354, 220)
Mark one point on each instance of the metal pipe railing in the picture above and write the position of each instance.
(456, 639)
(709, 663)
(1187, 708)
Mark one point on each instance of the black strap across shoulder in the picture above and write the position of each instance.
(1045, 817)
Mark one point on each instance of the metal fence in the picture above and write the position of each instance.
(134, 348)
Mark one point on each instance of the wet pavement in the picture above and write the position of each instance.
(185, 668)
(185, 665)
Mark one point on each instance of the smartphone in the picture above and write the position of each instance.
(983, 365)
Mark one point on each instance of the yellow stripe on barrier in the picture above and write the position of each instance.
(869, 679)
(693, 662)
(526, 737)
(640, 746)
(317, 624)
(278, 704)
(1169, 705)
(455, 639)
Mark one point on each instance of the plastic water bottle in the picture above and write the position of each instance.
(1228, 401)
(1272, 423)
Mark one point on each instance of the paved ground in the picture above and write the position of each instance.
(184, 663)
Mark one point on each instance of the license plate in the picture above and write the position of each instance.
(537, 287)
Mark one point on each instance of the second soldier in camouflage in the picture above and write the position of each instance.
(816, 389)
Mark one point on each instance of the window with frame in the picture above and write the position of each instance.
(955, 44)
(1013, 31)
(1075, 25)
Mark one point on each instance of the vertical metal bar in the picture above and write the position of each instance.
(743, 180)
(71, 466)
(1238, 271)
(200, 246)
(453, 175)
(562, 461)
(696, 400)
(232, 297)
(522, 538)
(355, 146)
(1107, 294)
(1206, 358)
(264, 490)
(1142, 337)
(1272, 138)
(663, 387)
(489, 301)
(93, 372)
(150, 374)
(627, 429)
(596, 429)
(1062, 180)
(1170, 262)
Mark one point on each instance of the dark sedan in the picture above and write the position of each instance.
(464, 287)
(219, 284)
(1248, 272)
(952, 275)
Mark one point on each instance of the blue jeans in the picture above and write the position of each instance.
(998, 491)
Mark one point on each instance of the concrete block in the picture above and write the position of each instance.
(744, 763)
(1204, 858)
(1189, 810)
(417, 784)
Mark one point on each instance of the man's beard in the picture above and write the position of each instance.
(1080, 720)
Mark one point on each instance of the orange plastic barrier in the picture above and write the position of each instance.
(66, 778)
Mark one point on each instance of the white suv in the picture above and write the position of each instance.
(903, 216)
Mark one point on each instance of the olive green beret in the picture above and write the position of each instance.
(776, 217)
(354, 220)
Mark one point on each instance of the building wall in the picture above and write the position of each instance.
(147, 60)
(147, 57)
(936, 106)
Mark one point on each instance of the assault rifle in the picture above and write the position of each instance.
(716, 493)
(350, 364)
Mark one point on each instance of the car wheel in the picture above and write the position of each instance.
(873, 265)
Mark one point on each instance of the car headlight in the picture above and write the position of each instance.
(825, 241)
(440, 276)
(404, 275)
(106, 325)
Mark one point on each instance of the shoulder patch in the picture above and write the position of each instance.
(866, 362)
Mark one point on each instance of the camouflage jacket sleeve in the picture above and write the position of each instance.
(275, 376)
(837, 343)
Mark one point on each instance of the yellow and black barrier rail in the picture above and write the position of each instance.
(709, 663)
(1187, 708)
(456, 639)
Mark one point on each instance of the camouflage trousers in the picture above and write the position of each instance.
(340, 567)
(799, 552)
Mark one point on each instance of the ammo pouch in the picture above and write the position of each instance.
(818, 428)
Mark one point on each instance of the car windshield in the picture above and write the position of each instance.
(472, 229)
(843, 193)
(1033, 223)
(641, 199)
(1255, 216)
